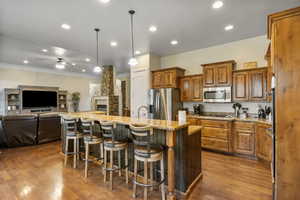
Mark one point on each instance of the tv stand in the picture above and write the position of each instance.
(41, 110)
(14, 100)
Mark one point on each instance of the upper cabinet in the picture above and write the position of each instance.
(191, 88)
(250, 85)
(166, 78)
(218, 74)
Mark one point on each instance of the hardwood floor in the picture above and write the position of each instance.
(37, 173)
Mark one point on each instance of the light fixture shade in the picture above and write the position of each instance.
(133, 62)
(97, 69)
(60, 66)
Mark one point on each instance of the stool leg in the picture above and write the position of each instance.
(75, 154)
(78, 149)
(135, 177)
(145, 179)
(126, 164)
(105, 165)
(111, 171)
(119, 163)
(66, 151)
(151, 174)
(86, 160)
(162, 177)
(101, 151)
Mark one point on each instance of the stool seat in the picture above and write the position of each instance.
(109, 144)
(154, 153)
(92, 139)
(74, 135)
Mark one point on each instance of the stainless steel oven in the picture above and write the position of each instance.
(217, 94)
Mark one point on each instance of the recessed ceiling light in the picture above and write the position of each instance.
(113, 43)
(73, 64)
(87, 60)
(83, 70)
(137, 52)
(59, 51)
(218, 4)
(66, 26)
(97, 69)
(25, 61)
(174, 42)
(105, 1)
(229, 27)
(44, 50)
(152, 28)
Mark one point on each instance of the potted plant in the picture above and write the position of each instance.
(75, 98)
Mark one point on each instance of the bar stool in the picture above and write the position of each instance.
(111, 144)
(71, 133)
(90, 139)
(146, 152)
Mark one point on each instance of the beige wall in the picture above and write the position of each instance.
(242, 51)
(252, 49)
(12, 75)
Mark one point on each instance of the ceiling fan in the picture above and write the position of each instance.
(60, 63)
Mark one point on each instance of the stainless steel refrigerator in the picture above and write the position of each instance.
(164, 103)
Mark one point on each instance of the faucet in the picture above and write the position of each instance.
(141, 108)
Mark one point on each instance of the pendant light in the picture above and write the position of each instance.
(97, 68)
(132, 62)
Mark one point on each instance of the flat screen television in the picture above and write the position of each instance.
(39, 99)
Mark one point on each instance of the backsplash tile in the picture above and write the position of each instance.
(225, 107)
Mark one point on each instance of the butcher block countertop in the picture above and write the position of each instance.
(157, 124)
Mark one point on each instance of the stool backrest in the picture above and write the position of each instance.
(70, 124)
(107, 128)
(141, 135)
(87, 126)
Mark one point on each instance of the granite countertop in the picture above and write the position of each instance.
(249, 119)
(194, 129)
(157, 124)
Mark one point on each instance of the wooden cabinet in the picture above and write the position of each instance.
(166, 78)
(218, 74)
(209, 76)
(244, 138)
(191, 88)
(250, 85)
(257, 85)
(157, 80)
(193, 120)
(216, 135)
(185, 88)
(284, 32)
(264, 142)
(240, 86)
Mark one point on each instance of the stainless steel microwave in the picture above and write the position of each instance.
(217, 94)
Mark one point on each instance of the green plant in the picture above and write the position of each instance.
(75, 98)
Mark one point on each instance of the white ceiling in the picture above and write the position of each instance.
(28, 26)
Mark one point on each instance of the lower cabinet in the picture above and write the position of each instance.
(216, 135)
(264, 142)
(244, 138)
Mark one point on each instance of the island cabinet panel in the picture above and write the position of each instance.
(258, 85)
(250, 85)
(218, 74)
(240, 86)
(191, 88)
(244, 138)
(216, 135)
(167, 78)
(264, 142)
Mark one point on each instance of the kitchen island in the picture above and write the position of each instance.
(183, 150)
